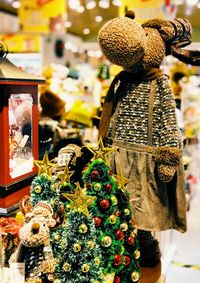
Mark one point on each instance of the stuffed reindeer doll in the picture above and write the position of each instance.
(139, 121)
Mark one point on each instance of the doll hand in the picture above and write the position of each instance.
(167, 159)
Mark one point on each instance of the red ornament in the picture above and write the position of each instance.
(104, 204)
(108, 187)
(117, 260)
(130, 240)
(89, 185)
(94, 174)
(127, 260)
(97, 221)
(117, 279)
(132, 222)
(120, 235)
(110, 173)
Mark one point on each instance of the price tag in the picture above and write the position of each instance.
(17, 272)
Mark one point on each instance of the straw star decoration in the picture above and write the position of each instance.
(101, 151)
(44, 165)
(65, 175)
(79, 201)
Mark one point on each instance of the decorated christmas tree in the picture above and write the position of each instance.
(113, 219)
(74, 241)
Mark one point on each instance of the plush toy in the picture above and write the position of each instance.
(35, 249)
(139, 121)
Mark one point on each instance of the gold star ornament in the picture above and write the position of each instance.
(65, 175)
(101, 151)
(121, 181)
(44, 165)
(79, 201)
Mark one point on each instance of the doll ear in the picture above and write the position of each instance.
(130, 14)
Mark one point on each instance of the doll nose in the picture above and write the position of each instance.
(35, 228)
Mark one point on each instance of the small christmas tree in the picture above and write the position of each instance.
(113, 219)
(73, 242)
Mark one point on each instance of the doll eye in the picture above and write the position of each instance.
(146, 33)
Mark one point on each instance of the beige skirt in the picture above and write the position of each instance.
(157, 206)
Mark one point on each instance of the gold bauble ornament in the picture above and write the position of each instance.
(38, 189)
(77, 248)
(124, 227)
(91, 245)
(68, 206)
(56, 237)
(97, 261)
(67, 267)
(137, 254)
(85, 267)
(114, 200)
(56, 281)
(126, 211)
(97, 187)
(106, 241)
(135, 276)
(83, 228)
(113, 219)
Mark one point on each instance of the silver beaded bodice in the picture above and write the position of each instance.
(130, 123)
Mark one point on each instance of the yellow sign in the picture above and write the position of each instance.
(21, 42)
(42, 16)
(144, 9)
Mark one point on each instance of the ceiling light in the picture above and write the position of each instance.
(198, 5)
(104, 4)
(86, 31)
(16, 4)
(91, 5)
(80, 9)
(98, 19)
(192, 2)
(179, 2)
(68, 24)
(74, 4)
(117, 3)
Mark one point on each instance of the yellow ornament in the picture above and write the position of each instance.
(137, 254)
(38, 189)
(56, 237)
(126, 211)
(97, 187)
(56, 281)
(44, 165)
(77, 248)
(101, 151)
(135, 276)
(114, 200)
(106, 241)
(124, 227)
(67, 267)
(85, 267)
(79, 201)
(91, 245)
(82, 228)
(113, 219)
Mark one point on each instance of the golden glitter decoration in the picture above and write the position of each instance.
(44, 165)
(79, 201)
(135, 276)
(121, 181)
(101, 151)
(65, 175)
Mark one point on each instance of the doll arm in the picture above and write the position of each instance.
(169, 152)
